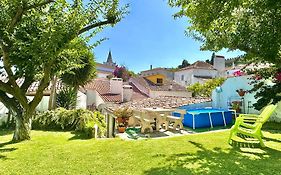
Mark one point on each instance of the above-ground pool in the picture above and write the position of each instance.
(206, 117)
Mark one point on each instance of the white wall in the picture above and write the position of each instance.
(93, 97)
(187, 77)
(102, 75)
(81, 101)
(229, 94)
(189, 74)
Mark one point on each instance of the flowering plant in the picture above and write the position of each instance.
(238, 73)
(121, 72)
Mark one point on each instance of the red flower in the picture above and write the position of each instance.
(278, 76)
(258, 77)
(238, 73)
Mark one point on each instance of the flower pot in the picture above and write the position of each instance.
(121, 129)
(241, 93)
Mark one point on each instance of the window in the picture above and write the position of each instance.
(159, 80)
(182, 77)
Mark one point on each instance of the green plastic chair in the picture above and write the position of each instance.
(251, 124)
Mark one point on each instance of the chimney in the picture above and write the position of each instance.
(116, 86)
(127, 93)
(219, 64)
(151, 67)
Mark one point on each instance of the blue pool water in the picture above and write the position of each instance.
(206, 117)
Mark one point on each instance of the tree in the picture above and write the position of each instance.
(79, 68)
(250, 26)
(184, 64)
(33, 37)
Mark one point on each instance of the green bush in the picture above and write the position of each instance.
(205, 90)
(70, 120)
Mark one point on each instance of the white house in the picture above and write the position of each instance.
(201, 71)
(197, 72)
(226, 95)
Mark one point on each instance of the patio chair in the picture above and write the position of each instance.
(177, 121)
(145, 121)
(251, 124)
(160, 119)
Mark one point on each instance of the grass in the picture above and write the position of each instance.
(205, 153)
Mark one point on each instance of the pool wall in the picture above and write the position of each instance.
(199, 119)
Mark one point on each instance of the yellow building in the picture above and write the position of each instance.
(156, 78)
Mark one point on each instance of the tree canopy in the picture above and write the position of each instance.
(34, 36)
(250, 26)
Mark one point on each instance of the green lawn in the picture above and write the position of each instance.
(208, 153)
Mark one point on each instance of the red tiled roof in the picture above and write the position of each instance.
(199, 65)
(167, 84)
(102, 86)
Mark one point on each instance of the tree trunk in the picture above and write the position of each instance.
(23, 127)
(52, 99)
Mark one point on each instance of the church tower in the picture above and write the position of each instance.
(109, 60)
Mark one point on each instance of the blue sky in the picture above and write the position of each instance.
(149, 35)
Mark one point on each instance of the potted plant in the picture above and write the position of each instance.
(121, 128)
(123, 115)
(241, 92)
(236, 106)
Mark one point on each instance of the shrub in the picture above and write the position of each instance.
(70, 120)
(205, 90)
(66, 98)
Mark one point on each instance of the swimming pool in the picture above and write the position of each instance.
(206, 117)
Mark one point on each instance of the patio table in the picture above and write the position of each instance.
(159, 115)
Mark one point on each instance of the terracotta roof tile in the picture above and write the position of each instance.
(199, 65)
(102, 86)
(166, 86)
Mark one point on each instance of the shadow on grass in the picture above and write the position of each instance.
(3, 150)
(79, 136)
(220, 161)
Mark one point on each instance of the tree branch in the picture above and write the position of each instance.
(6, 88)
(98, 24)
(27, 82)
(45, 2)
(9, 102)
(16, 18)
(42, 86)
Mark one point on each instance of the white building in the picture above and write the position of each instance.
(197, 72)
(201, 71)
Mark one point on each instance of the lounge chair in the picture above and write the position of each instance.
(251, 124)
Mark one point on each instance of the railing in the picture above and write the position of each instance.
(140, 87)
